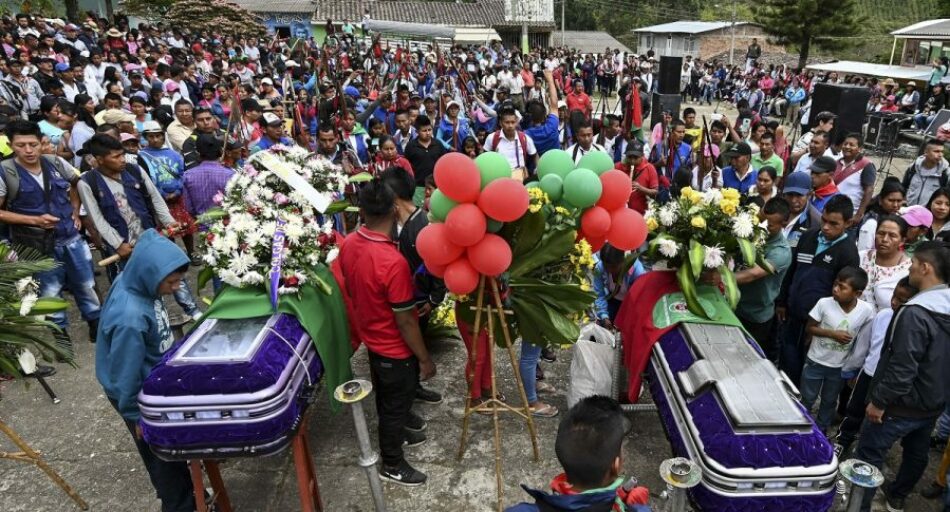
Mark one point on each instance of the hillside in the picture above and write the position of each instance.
(883, 16)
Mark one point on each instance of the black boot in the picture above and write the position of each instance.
(93, 328)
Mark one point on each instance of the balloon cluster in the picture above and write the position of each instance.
(472, 201)
(600, 191)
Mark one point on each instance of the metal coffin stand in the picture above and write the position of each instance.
(728, 409)
(232, 388)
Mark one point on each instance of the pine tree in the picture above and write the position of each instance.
(217, 16)
(803, 23)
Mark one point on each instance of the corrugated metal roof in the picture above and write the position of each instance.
(851, 67)
(482, 13)
(588, 41)
(688, 27)
(928, 28)
(260, 6)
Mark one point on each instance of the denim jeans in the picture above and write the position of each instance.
(826, 381)
(74, 273)
(876, 441)
(528, 365)
(943, 424)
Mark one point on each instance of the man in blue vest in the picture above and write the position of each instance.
(122, 203)
(739, 174)
(41, 207)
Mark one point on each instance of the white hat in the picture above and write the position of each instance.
(152, 127)
(267, 81)
(561, 104)
(451, 103)
(291, 64)
(271, 118)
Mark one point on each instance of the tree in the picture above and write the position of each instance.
(804, 23)
(148, 9)
(213, 16)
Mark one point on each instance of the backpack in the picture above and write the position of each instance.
(522, 140)
(12, 178)
(137, 176)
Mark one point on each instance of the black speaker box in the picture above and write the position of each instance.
(882, 130)
(670, 68)
(663, 102)
(848, 102)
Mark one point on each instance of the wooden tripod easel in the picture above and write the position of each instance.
(493, 405)
(31, 456)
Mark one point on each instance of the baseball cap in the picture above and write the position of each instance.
(823, 164)
(62, 66)
(267, 81)
(125, 137)
(561, 104)
(271, 119)
(740, 149)
(917, 216)
(634, 148)
(152, 127)
(797, 183)
(114, 116)
(451, 104)
(208, 146)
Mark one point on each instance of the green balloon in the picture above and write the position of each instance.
(492, 166)
(582, 188)
(440, 205)
(553, 186)
(494, 226)
(597, 161)
(555, 161)
(532, 184)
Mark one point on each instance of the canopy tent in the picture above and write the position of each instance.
(475, 35)
(410, 29)
(850, 67)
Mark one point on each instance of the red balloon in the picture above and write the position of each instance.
(466, 225)
(491, 256)
(617, 189)
(436, 270)
(504, 200)
(458, 178)
(434, 246)
(595, 222)
(628, 230)
(596, 243)
(461, 278)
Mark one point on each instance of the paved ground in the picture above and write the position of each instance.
(86, 442)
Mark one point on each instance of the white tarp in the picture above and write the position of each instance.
(476, 35)
(850, 67)
(410, 29)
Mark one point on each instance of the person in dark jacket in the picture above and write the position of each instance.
(817, 258)
(588, 446)
(803, 216)
(909, 390)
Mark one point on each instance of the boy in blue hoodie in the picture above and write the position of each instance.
(588, 446)
(134, 332)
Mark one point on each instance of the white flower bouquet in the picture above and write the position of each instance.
(238, 243)
(702, 232)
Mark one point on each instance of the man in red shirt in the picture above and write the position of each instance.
(380, 289)
(579, 100)
(642, 173)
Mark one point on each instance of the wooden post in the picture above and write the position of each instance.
(31, 456)
(495, 306)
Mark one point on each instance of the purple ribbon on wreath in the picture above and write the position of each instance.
(276, 261)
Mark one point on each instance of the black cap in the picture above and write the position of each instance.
(825, 116)
(823, 164)
(634, 148)
(740, 149)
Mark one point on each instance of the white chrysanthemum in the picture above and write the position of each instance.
(712, 196)
(24, 285)
(229, 277)
(332, 254)
(668, 248)
(230, 242)
(27, 303)
(253, 277)
(294, 231)
(242, 262)
(667, 215)
(713, 257)
(743, 226)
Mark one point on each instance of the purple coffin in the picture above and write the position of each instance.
(230, 388)
(730, 411)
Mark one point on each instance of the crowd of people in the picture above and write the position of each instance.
(110, 131)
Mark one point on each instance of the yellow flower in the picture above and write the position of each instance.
(560, 210)
(729, 207)
(698, 222)
(687, 191)
(652, 224)
(534, 208)
(730, 194)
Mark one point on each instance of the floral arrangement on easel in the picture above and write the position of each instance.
(706, 232)
(536, 241)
